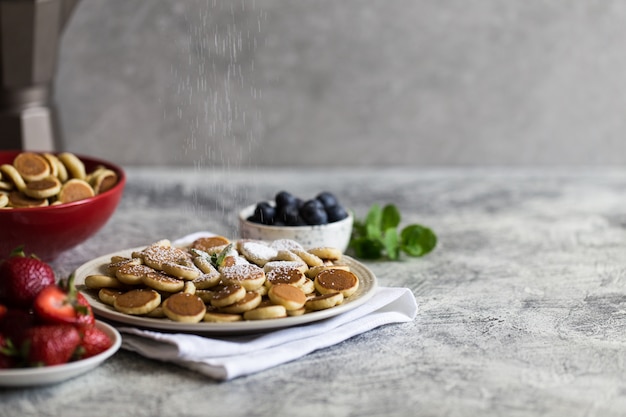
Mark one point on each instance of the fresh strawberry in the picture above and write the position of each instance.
(22, 278)
(50, 344)
(63, 304)
(3, 311)
(94, 341)
(15, 322)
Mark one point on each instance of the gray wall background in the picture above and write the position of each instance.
(334, 83)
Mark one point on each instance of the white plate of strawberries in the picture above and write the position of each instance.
(48, 332)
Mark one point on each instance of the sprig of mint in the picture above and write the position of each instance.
(218, 258)
(378, 235)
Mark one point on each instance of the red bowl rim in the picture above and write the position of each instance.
(120, 183)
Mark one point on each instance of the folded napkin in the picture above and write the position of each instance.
(224, 358)
(227, 358)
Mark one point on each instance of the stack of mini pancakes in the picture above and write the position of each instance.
(216, 280)
(43, 179)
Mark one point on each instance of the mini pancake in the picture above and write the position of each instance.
(181, 269)
(312, 272)
(298, 312)
(336, 280)
(266, 313)
(285, 275)
(215, 317)
(6, 185)
(43, 188)
(324, 301)
(98, 281)
(286, 245)
(75, 190)
(162, 282)
(262, 290)
(118, 262)
(155, 255)
(10, 173)
(184, 307)
(308, 287)
(257, 252)
(205, 295)
(299, 265)
(249, 302)
(207, 281)
(202, 260)
(103, 181)
(20, 200)
(108, 295)
(132, 274)
(288, 296)
(211, 244)
(227, 295)
(310, 259)
(74, 166)
(249, 276)
(55, 166)
(326, 252)
(157, 313)
(31, 166)
(137, 302)
(189, 288)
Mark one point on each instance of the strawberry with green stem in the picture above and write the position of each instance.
(93, 342)
(22, 278)
(63, 304)
(50, 344)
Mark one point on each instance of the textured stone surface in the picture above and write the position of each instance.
(290, 82)
(522, 305)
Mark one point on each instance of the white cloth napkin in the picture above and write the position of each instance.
(224, 358)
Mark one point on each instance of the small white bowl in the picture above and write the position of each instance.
(336, 234)
(30, 377)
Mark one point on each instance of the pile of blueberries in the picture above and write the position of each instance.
(289, 210)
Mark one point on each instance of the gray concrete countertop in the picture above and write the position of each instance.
(522, 305)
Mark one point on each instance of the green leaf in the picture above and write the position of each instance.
(391, 242)
(373, 222)
(417, 240)
(377, 235)
(390, 217)
(218, 259)
(366, 248)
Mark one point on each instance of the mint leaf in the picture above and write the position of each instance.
(377, 235)
(373, 222)
(365, 248)
(390, 240)
(390, 217)
(417, 240)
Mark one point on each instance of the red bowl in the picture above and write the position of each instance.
(49, 231)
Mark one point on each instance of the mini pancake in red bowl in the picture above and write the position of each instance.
(49, 210)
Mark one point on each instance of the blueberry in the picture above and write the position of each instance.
(327, 199)
(265, 213)
(284, 199)
(313, 212)
(289, 215)
(336, 213)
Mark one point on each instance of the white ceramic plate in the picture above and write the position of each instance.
(24, 377)
(367, 285)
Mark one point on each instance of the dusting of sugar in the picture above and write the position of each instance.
(258, 250)
(286, 244)
(242, 271)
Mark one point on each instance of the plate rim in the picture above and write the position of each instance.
(25, 377)
(368, 283)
